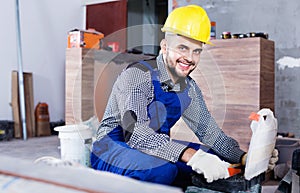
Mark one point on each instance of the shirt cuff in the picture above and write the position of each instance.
(172, 151)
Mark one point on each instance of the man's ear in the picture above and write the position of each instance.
(163, 46)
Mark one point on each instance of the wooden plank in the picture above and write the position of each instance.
(15, 183)
(78, 178)
(29, 104)
(15, 105)
(87, 84)
(73, 85)
(267, 76)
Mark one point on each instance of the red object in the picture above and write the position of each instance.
(254, 116)
(234, 171)
(114, 46)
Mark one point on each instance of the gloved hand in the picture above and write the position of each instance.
(210, 165)
(273, 160)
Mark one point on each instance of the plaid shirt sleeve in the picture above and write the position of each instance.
(198, 118)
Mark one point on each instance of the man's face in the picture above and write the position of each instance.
(181, 55)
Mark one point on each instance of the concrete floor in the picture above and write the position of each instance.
(37, 147)
(32, 148)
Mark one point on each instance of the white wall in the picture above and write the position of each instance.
(44, 28)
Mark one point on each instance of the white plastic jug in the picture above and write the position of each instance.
(264, 131)
(75, 143)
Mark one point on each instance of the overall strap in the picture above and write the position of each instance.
(146, 64)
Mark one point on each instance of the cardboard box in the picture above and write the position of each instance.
(29, 105)
(85, 39)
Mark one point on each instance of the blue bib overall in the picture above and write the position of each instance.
(111, 153)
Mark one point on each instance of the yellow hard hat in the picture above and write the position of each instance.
(189, 21)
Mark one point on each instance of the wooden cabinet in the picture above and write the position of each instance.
(236, 77)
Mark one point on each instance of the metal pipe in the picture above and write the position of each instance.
(20, 73)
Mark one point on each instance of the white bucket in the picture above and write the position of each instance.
(75, 143)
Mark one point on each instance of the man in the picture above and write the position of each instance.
(146, 101)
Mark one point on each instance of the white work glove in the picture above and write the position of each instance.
(209, 165)
(273, 160)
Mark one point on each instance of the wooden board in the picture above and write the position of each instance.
(15, 105)
(29, 105)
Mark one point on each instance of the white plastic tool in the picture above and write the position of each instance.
(264, 131)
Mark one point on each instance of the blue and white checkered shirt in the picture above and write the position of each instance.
(133, 91)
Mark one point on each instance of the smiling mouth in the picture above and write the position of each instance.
(184, 66)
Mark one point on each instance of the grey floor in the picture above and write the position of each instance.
(32, 148)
